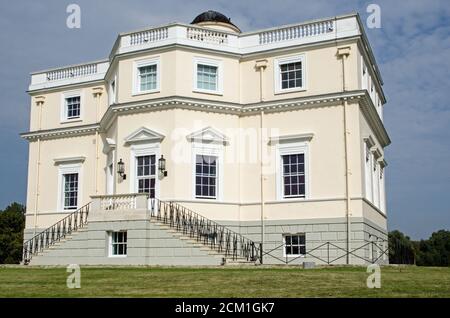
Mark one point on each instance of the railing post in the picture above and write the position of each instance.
(261, 253)
(328, 253)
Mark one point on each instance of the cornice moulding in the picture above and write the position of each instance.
(59, 161)
(360, 96)
(61, 132)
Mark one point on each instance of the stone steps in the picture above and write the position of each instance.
(193, 242)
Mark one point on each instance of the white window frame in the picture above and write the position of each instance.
(277, 73)
(112, 96)
(209, 150)
(110, 244)
(208, 62)
(284, 245)
(382, 190)
(110, 179)
(368, 171)
(66, 169)
(292, 149)
(148, 149)
(364, 74)
(64, 96)
(137, 80)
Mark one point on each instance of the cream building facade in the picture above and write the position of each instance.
(277, 135)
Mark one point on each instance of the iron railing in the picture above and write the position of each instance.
(217, 237)
(55, 233)
(328, 258)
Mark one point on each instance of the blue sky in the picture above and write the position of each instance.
(412, 48)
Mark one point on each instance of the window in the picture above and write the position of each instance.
(146, 174)
(294, 175)
(368, 172)
(294, 245)
(206, 176)
(73, 107)
(112, 92)
(69, 183)
(118, 245)
(147, 76)
(70, 191)
(290, 74)
(292, 169)
(208, 76)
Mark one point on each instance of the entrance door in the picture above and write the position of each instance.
(146, 174)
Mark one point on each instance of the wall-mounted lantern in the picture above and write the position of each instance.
(121, 169)
(162, 166)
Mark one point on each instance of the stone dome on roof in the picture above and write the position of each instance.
(214, 18)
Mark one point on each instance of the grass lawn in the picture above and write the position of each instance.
(225, 282)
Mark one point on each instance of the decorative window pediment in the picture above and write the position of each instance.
(69, 160)
(208, 135)
(144, 135)
(290, 138)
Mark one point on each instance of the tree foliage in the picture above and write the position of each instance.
(435, 251)
(12, 223)
(401, 248)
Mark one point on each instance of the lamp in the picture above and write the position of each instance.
(121, 169)
(162, 166)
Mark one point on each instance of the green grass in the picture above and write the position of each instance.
(225, 282)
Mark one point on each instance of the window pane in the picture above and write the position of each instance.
(207, 77)
(288, 250)
(119, 243)
(147, 77)
(303, 250)
(302, 239)
(293, 175)
(291, 75)
(73, 107)
(205, 176)
(70, 191)
(288, 240)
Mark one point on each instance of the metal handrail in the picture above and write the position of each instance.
(55, 233)
(210, 233)
(329, 259)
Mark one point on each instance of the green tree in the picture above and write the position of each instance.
(12, 223)
(401, 248)
(435, 251)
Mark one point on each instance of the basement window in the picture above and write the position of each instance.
(118, 244)
(294, 244)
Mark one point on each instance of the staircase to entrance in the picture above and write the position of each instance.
(168, 234)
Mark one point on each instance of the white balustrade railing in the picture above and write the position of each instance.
(118, 202)
(147, 36)
(296, 32)
(243, 43)
(71, 72)
(207, 36)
